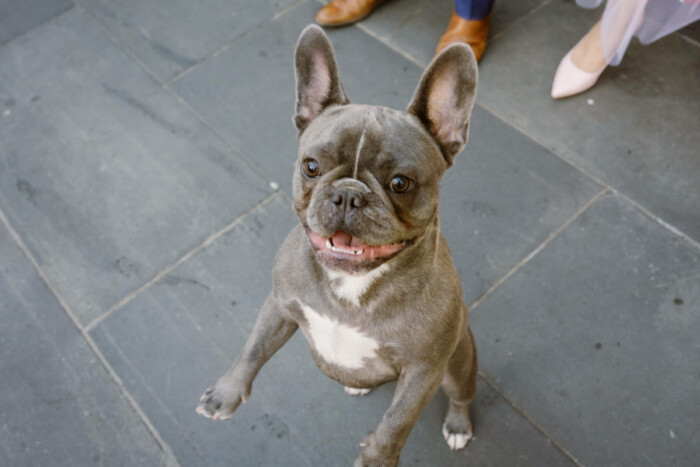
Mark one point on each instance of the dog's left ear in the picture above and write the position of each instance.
(445, 97)
(318, 84)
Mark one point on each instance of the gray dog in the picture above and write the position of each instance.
(367, 276)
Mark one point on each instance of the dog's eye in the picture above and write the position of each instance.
(311, 168)
(400, 184)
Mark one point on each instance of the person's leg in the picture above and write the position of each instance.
(342, 12)
(473, 9)
(469, 25)
(588, 53)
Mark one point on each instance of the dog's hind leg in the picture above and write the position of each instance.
(459, 384)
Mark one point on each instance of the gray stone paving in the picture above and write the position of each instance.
(146, 151)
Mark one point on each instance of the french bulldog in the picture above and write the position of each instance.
(366, 275)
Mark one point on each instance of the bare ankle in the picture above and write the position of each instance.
(588, 53)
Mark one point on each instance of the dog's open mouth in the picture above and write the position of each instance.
(344, 246)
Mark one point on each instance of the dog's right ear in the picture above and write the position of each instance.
(318, 84)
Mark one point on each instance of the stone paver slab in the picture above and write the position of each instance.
(107, 177)
(502, 198)
(596, 339)
(170, 37)
(20, 17)
(59, 405)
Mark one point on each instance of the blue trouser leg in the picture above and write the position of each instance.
(473, 9)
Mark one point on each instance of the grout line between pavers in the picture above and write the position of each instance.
(689, 39)
(36, 26)
(95, 349)
(288, 198)
(149, 389)
(165, 86)
(597, 180)
(359, 25)
(118, 43)
(391, 46)
(656, 218)
(541, 143)
(526, 15)
(177, 263)
(546, 2)
(533, 422)
(410, 16)
(234, 41)
(232, 150)
(539, 248)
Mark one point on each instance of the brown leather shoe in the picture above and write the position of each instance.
(342, 12)
(468, 31)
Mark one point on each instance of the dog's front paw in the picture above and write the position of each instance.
(457, 428)
(221, 400)
(456, 440)
(373, 455)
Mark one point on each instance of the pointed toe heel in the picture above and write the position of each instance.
(570, 79)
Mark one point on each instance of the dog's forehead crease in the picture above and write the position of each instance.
(358, 133)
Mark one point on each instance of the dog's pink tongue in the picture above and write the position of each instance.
(344, 239)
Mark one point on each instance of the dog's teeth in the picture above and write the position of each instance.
(332, 247)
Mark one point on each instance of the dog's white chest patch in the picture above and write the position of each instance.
(352, 288)
(339, 343)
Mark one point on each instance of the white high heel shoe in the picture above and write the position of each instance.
(570, 79)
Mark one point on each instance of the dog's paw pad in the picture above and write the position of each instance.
(212, 405)
(456, 441)
(356, 391)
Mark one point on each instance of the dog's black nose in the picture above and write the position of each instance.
(348, 199)
(349, 195)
